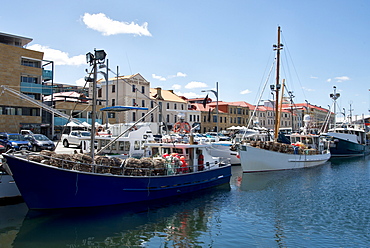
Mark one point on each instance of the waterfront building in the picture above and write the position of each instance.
(23, 70)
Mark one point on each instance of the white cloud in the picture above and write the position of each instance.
(313, 77)
(245, 92)
(193, 85)
(101, 23)
(59, 57)
(179, 74)
(160, 78)
(176, 87)
(328, 80)
(307, 89)
(341, 79)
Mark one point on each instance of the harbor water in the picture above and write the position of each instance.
(325, 206)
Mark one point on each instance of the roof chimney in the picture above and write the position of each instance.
(159, 93)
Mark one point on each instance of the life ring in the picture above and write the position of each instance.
(181, 127)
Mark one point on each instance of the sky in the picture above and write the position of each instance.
(190, 46)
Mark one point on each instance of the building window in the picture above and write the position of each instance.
(10, 111)
(32, 80)
(143, 89)
(113, 102)
(175, 106)
(182, 106)
(191, 118)
(133, 88)
(31, 63)
(113, 88)
(133, 102)
(133, 116)
(215, 118)
(142, 103)
(151, 104)
(239, 120)
(168, 105)
(168, 118)
(100, 92)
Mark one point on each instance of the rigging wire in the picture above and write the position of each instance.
(286, 47)
(262, 91)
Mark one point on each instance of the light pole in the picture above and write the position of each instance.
(93, 59)
(334, 96)
(216, 94)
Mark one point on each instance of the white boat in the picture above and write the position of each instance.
(261, 156)
(225, 149)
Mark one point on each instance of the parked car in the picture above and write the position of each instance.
(40, 142)
(2, 149)
(218, 136)
(14, 141)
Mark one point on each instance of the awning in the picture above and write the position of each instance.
(121, 108)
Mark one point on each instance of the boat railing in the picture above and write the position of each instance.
(297, 148)
(112, 165)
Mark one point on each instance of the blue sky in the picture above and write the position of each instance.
(188, 46)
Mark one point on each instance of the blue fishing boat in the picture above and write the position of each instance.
(49, 180)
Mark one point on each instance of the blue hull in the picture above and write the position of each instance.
(344, 148)
(48, 187)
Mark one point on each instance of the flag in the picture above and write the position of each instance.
(205, 100)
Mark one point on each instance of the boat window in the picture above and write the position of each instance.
(177, 150)
(137, 145)
(155, 151)
(127, 146)
(121, 145)
(166, 150)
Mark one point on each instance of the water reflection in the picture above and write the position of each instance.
(176, 222)
(11, 220)
(264, 180)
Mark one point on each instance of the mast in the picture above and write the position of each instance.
(277, 48)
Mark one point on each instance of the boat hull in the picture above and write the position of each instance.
(47, 187)
(344, 148)
(222, 149)
(254, 159)
(8, 188)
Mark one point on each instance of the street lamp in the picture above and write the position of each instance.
(216, 94)
(94, 59)
(334, 96)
